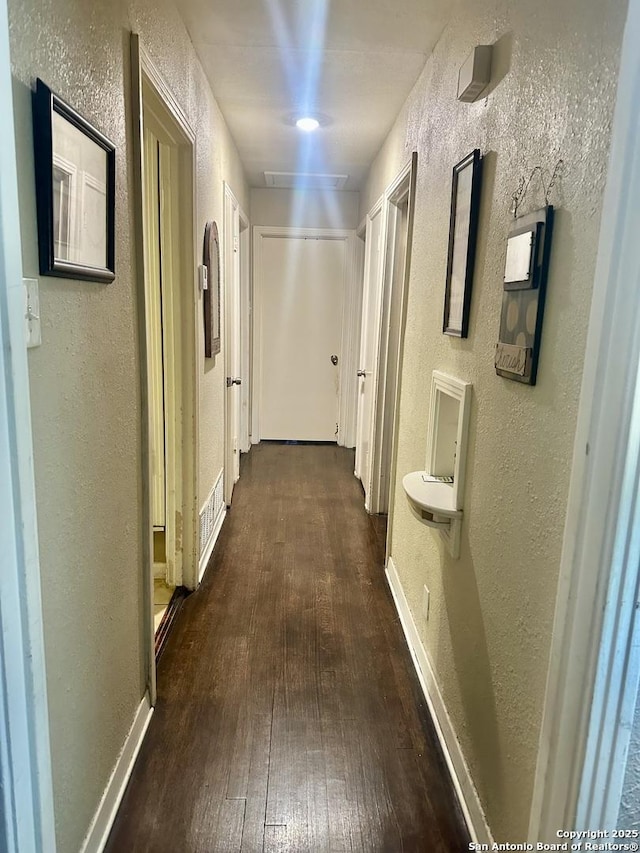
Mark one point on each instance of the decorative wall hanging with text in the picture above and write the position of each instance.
(525, 281)
(211, 296)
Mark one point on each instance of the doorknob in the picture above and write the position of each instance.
(231, 381)
(362, 373)
(334, 359)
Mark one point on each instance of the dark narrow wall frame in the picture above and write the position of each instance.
(463, 230)
(75, 191)
(524, 292)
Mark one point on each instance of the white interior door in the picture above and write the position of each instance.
(236, 318)
(245, 336)
(388, 355)
(231, 343)
(303, 282)
(369, 347)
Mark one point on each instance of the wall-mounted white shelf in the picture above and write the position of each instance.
(430, 496)
(435, 495)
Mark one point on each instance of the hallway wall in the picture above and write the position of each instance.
(304, 208)
(85, 387)
(491, 612)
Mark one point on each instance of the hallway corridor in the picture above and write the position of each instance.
(289, 717)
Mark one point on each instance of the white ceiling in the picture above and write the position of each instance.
(353, 62)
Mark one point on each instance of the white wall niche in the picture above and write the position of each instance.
(436, 494)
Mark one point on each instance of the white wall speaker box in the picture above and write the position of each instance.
(475, 74)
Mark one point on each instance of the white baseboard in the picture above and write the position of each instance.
(460, 775)
(206, 554)
(104, 817)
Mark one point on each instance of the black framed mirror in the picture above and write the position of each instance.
(463, 229)
(75, 191)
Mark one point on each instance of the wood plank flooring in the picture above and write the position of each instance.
(289, 717)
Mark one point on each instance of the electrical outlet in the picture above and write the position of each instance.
(426, 595)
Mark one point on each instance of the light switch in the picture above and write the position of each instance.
(203, 283)
(32, 312)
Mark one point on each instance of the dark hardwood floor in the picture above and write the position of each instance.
(289, 717)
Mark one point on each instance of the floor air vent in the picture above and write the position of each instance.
(210, 513)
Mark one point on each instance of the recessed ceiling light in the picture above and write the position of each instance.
(308, 123)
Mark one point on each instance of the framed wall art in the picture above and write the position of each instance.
(463, 228)
(211, 296)
(524, 291)
(75, 191)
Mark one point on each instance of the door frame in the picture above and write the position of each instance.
(595, 616)
(234, 276)
(145, 74)
(413, 183)
(169, 300)
(26, 812)
(349, 333)
(383, 446)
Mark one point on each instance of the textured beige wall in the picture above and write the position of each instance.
(85, 386)
(304, 209)
(489, 631)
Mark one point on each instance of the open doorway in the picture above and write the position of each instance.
(388, 251)
(167, 296)
(399, 227)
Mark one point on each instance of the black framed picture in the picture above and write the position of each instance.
(211, 296)
(75, 191)
(463, 228)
